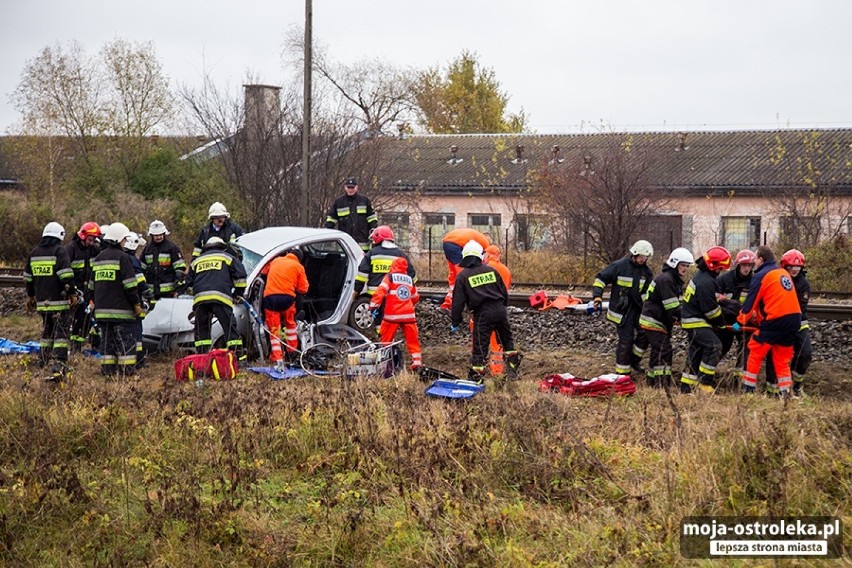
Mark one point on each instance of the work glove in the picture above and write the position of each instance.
(736, 326)
(598, 303)
(31, 303)
(137, 310)
(239, 299)
(73, 300)
(355, 295)
(91, 306)
(454, 328)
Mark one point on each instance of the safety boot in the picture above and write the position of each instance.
(513, 362)
(476, 374)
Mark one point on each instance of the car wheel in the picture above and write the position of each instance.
(359, 315)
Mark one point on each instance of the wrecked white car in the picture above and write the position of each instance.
(331, 260)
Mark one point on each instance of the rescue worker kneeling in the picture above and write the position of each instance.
(481, 289)
(286, 282)
(216, 279)
(399, 294)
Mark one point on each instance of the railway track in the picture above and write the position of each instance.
(519, 297)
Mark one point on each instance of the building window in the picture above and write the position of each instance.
(799, 232)
(486, 223)
(398, 222)
(531, 232)
(435, 226)
(740, 233)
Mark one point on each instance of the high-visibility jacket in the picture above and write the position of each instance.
(47, 272)
(463, 236)
(398, 292)
(216, 276)
(376, 263)
(285, 275)
(114, 287)
(629, 281)
(700, 304)
(772, 295)
(662, 304)
(81, 257)
(164, 266)
(353, 215)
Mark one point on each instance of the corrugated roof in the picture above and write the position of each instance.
(699, 161)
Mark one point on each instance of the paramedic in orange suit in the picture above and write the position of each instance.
(399, 294)
(772, 296)
(453, 243)
(285, 279)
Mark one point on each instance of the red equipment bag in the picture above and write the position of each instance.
(219, 364)
(604, 385)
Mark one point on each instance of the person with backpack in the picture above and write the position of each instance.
(397, 294)
(660, 311)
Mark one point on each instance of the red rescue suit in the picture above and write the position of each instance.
(399, 294)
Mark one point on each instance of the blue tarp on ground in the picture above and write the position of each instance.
(454, 389)
(277, 375)
(7, 347)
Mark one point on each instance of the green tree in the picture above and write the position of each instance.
(466, 98)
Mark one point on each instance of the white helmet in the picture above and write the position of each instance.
(472, 248)
(217, 210)
(678, 256)
(643, 248)
(157, 227)
(132, 242)
(54, 229)
(215, 242)
(116, 233)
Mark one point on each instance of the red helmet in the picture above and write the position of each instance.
(793, 257)
(745, 257)
(717, 258)
(89, 229)
(382, 233)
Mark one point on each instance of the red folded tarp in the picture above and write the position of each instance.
(604, 385)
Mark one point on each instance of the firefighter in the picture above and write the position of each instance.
(733, 286)
(772, 298)
(376, 263)
(700, 314)
(82, 249)
(398, 294)
(660, 311)
(353, 213)
(116, 303)
(481, 289)
(217, 278)
(492, 259)
(131, 245)
(630, 278)
(286, 282)
(453, 243)
(222, 226)
(165, 268)
(49, 281)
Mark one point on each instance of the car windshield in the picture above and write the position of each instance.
(250, 259)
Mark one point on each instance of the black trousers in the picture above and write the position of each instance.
(660, 355)
(81, 324)
(490, 317)
(204, 314)
(727, 338)
(54, 336)
(118, 347)
(703, 355)
(632, 343)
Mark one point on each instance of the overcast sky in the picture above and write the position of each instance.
(626, 64)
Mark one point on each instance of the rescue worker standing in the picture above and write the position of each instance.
(453, 243)
(733, 285)
(492, 259)
(221, 225)
(353, 213)
(398, 294)
(630, 278)
(660, 312)
(130, 246)
(772, 297)
(481, 289)
(165, 267)
(217, 278)
(116, 302)
(793, 261)
(82, 249)
(286, 281)
(377, 262)
(700, 314)
(48, 277)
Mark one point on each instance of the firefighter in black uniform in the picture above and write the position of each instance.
(82, 250)
(701, 313)
(221, 225)
(733, 285)
(481, 289)
(146, 294)
(660, 312)
(630, 278)
(50, 290)
(217, 278)
(116, 303)
(353, 213)
(164, 265)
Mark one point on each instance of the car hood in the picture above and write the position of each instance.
(169, 315)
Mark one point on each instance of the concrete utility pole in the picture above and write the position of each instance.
(304, 198)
